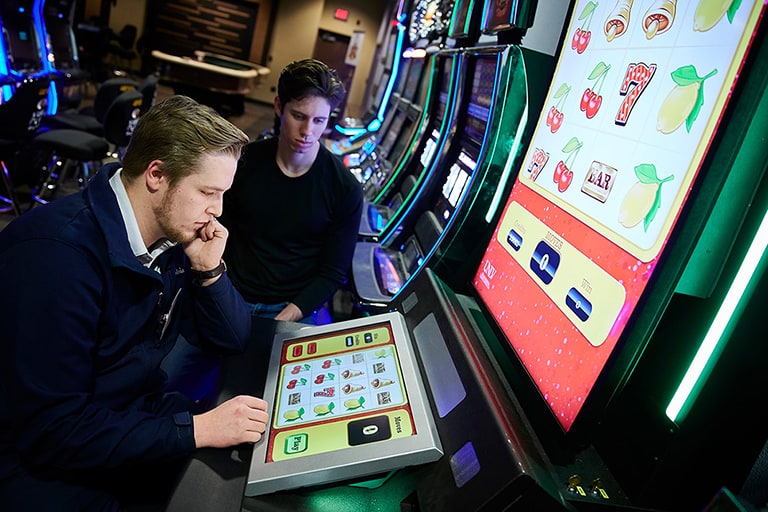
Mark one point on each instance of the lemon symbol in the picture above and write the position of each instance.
(708, 13)
(642, 201)
(323, 409)
(683, 103)
(293, 414)
(677, 106)
(637, 203)
(354, 404)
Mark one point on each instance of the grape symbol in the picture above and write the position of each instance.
(684, 101)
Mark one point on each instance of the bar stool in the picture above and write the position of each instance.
(77, 153)
(19, 119)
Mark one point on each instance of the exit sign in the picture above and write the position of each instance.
(341, 14)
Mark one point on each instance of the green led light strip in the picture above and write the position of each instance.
(716, 337)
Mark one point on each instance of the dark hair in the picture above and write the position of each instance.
(309, 77)
(178, 131)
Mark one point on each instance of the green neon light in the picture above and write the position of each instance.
(716, 337)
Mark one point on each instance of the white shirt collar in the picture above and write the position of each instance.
(132, 226)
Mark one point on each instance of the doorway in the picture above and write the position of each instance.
(331, 48)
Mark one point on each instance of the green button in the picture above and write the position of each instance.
(296, 443)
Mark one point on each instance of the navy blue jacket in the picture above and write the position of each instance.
(82, 335)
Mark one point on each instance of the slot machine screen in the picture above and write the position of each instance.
(413, 79)
(630, 115)
(446, 69)
(402, 75)
(460, 19)
(347, 401)
(454, 186)
(481, 96)
(438, 115)
(62, 41)
(402, 139)
(504, 14)
(392, 133)
(21, 42)
(429, 148)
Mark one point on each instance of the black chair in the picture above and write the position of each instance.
(148, 88)
(19, 119)
(91, 118)
(76, 153)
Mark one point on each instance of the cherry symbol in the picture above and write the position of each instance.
(557, 121)
(585, 99)
(594, 105)
(565, 179)
(575, 39)
(584, 38)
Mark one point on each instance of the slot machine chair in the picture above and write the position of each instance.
(79, 153)
(148, 88)
(91, 118)
(19, 119)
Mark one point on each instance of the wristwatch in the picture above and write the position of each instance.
(201, 275)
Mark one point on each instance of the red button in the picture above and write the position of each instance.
(312, 348)
(297, 351)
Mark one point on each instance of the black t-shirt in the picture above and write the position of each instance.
(290, 239)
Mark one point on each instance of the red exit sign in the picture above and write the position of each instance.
(341, 14)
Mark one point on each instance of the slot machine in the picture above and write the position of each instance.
(425, 29)
(458, 172)
(20, 51)
(385, 189)
(615, 214)
(387, 67)
(538, 375)
(63, 57)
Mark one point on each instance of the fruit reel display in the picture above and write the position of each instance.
(346, 400)
(617, 22)
(628, 121)
(659, 17)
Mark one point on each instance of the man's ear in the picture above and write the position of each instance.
(154, 175)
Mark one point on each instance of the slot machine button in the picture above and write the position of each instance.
(349, 341)
(297, 351)
(311, 348)
(545, 262)
(368, 337)
(514, 239)
(577, 303)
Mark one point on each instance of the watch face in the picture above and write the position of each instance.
(429, 17)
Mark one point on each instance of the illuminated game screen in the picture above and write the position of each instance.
(634, 103)
(20, 41)
(344, 394)
(459, 26)
(413, 79)
(498, 14)
(392, 133)
(454, 186)
(481, 95)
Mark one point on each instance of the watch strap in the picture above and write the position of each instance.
(202, 275)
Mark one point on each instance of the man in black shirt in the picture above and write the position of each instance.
(293, 211)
